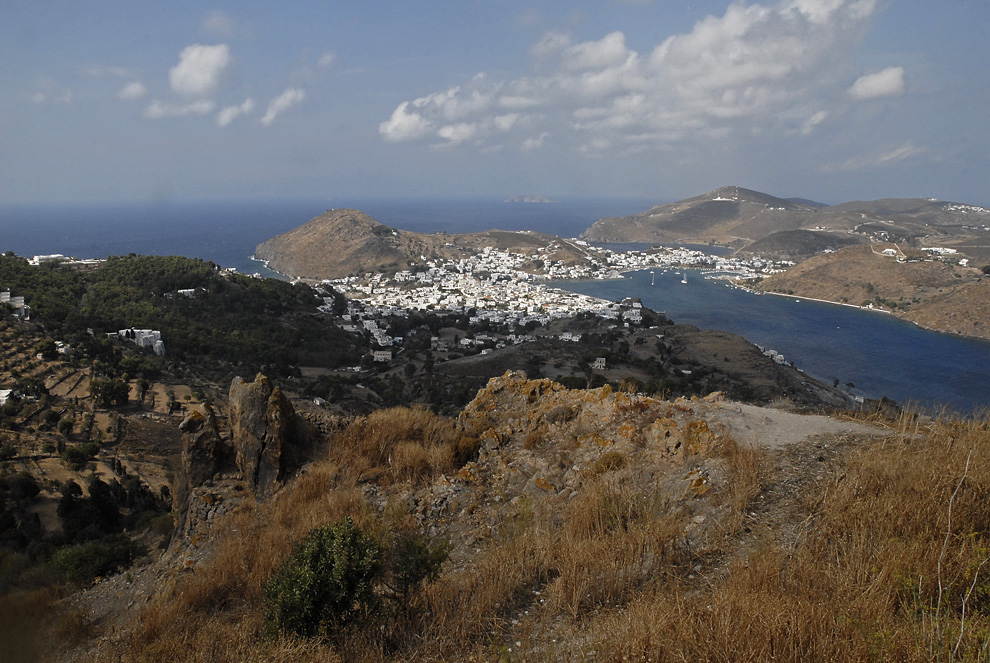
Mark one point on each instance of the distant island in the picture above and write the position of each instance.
(528, 199)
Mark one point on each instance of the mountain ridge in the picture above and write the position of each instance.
(738, 217)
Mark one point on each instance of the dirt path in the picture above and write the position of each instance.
(772, 428)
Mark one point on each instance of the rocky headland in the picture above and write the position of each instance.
(937, 294)
(345, 242)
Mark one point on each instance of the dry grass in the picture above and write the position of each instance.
(893, 567)
(891, 563)
(32, 623)
(402, 444)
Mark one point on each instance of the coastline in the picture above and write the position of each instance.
(871, 309)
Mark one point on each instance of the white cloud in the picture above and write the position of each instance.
(534, 143)
(65, 97)
(199, 69)
(326, 60)
(231, 113)
(133, 90)
(505, 122)
(813, 121)
(403, 125)
(882, 159)
(219, 23)
(608, 52)
(757, 69)
(50, 91)
(159, 109)
(458, 133)
(886, 83)
(282, 103)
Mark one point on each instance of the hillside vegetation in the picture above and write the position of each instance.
(594, 525)
(229, 318)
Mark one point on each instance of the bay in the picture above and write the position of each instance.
(879, 354)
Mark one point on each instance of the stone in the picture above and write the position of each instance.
(204, 454)
(266, 434)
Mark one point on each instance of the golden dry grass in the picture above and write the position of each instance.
(890, 563)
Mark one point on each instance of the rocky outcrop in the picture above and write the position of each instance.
(267, 436)
(266, 440)
(204, 454)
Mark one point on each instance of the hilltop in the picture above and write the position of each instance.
(347, 242)
(743, 218)
(573, 524)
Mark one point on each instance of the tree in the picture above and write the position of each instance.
(46, 349)
(110, 392)
(413, 559)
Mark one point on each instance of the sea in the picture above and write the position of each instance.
(869, 353)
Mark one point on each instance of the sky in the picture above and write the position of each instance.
(832, 100)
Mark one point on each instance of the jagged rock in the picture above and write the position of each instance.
(266, 434)
(204, 453)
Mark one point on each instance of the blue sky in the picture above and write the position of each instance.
(833, 100)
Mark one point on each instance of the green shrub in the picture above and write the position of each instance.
(413, 558)
(327, 582)
(81, 564)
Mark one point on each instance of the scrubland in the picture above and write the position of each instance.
(848, 549)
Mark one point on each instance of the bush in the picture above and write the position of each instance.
(81, 564)
(327, 582)
(414, 558)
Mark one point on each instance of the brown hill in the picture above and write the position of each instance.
(737, 216)
(936, 294)
(346, 242)
(341, 242)
(800, 244)
(726, 214)
(587, 525)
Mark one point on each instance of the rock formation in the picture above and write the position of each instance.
(204, 454)
(266, 435)
(266, 440)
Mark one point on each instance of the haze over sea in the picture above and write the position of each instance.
(880, 355)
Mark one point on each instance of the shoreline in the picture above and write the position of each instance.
(870, 310)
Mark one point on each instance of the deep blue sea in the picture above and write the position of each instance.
(880, 355)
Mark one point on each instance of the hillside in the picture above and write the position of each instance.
(585, 524)
(347, 242)
(937, 294)
(738, 217)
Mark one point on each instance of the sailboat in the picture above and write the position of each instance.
(653, 278)
(684, 278)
